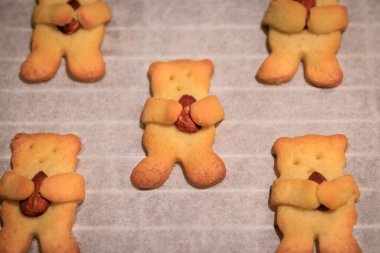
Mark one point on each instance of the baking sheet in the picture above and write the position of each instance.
(234, 215)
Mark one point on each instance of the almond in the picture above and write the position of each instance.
(318, 178)
(35, 205)
(74, 25)
(184, 122)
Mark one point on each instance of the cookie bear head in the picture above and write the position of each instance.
(299, 157)
(50, 153)
(173, 79)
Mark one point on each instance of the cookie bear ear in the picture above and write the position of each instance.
(72, 141)
(17, 140)
(207, 63)
(280, 144)
(339, 141)
(153, 68)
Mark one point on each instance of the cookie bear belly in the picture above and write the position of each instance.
(304, 42)
(49, 35)
(172, 139)
(301, 220)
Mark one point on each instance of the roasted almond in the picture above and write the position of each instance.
(184, 122)
(35, 205)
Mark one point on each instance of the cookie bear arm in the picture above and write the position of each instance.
(327, 19)
(15, 187)
(286, 16)
(94, 14)
(333, 194)
(57, 14)
(207, 111)
(61, 188)
(161, 111)
(295, 192)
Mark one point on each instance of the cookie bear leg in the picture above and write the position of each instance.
(152, 172)
(321, 71)
(204, 169)
(41, 64)
(296, 243)
(14, 240)
(85, 64)
(331, 243)
(278, 68)
(58, 241)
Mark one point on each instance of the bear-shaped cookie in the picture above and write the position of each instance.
(308, 31)
(71, 29)
(314, 200)
(180, 120)
(41, 193)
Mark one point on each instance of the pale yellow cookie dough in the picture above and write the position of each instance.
(167, 145)
(296, 198)
(313, 39)
(81, 49)
(56, 156)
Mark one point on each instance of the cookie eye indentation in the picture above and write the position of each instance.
(41, 161)
(55, 150)
(178, 88)
(31, 146)
(318, 156)
(189, 74)
(171, 78)
(296, 162)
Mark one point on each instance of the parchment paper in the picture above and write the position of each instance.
(234, 215)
